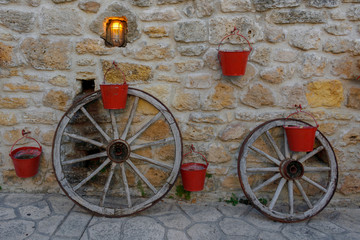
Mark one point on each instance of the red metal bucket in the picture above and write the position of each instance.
(301, 138)
(26, 159)
(114, 96)
(233, 63)
(193, 174)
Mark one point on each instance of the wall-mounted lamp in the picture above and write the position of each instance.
(115, 32)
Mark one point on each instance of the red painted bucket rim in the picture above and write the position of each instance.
(24, 133)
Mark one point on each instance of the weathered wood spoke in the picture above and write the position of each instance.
(291, 196)
(95, 124)
(275, 147)
(149, 144)
(88, 157)
(310, 154)
(114, 125)
(107, 184)
(277, 193)
(314, 183)
(126, 185)
(286, 146)
(130, 119)
(267, 182)
(96, 171)
(274, 160)
(144, 127)
(145, 180)
(268, 169)
(155, 162)
(303, 194)
(85, 139)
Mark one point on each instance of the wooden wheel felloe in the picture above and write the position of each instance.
(286, 186)
(117, 162)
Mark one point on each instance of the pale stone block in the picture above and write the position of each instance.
(198, 132)
(266, 5)
(313, 65)
(258, 96)
(274, 34)
(57, 99)
(211, 59)
(354, 98)
(13, 103)
(305, 39)
(60, 22)
(204, 8)
(165, 15)
(198, 80)
(156, 31)
(231, 182)
(191, 31)
(338, 29)
(89, 6)
(235, 5)
(218, 154)
(261, 55)
(186, 100)
(8, 119)
(18, 87)
(232, 132)
(191, 65)
(337, 45)
(328, 93)
(154, 52)
(191, 50)
(324, 3)
(298, 16)
(18, 21)
(133, 72)
(207, 118)
(223, 96)
(342, 67)
(353, 14)
(92, 46)
(285, 55)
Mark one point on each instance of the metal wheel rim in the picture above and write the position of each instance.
(106, 211)
(248, 190)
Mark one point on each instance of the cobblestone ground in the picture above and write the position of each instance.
(39, 216)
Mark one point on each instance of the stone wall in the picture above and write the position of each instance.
(304, 52)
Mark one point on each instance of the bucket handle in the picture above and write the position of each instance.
(192, 150)
(24, 133)
(235, 31)
(299, 110)
(116, 67)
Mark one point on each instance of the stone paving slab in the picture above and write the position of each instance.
(55, 217)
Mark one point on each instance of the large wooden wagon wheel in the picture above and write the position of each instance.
(286, 186)
(117, 162)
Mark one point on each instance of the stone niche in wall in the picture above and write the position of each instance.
(117, 10)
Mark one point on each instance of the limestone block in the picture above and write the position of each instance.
(232, 132)
(11, 136)
(261, 55)
(192, 49)
(8, 37)
(355, 49)
(291, 95)
(165, 15)
(353, 100)
(63, 1)
(186, 100)
(13, 102)
(274, 34)
(85, 62)
(18, 21)
(337, 45)
(298, 16)
(194, 132)
(328, 128)
(189, 11)
(160, 2)
(219, 27)
(350, 183)
(141, 3)
(327, 93)
(222, 97)
(6, 55)
(324, 3)
(168, 78)
(161, 92)
(198, 80)
(163, 67)
(243, 81)
(211, 59)
(157, 131)
(342, 67)
(152, 52)
(60, 81)
(18, 87)
(57, 99)
(285, 55)
(352, 136)
(33, 3)
(33, 78)
(8, 119)
(89, 6)
(157, 177)
(261, 5)
(117, 9)
(353, 14)
(84, 75)
(218, 154)
(236, 5)
(231, 182)
(39, 117)
(204, 8)
(156, 31)
(92, 46)
(44, 54)
(207, 118)
(189, 65)
(274, 74)
(305, 39)
(133, 72)
(313, 65)
(60, 22)
(258, 96)
(191, 31)
(338, 29)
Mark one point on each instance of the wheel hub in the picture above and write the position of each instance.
(118, 151)
(291, 169)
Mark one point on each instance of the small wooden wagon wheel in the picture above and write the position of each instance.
(286, 186)
(117, 162)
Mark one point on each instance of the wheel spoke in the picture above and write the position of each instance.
(314, 183)
(273, 144)
(269, 169)
(131, 117)
(89, 157)
(96, 171)
(317, 169)
(126, 185)
(303, 194)
(291, 196)
(286, 146)
(84, 139)
(137, 171)
(158, 163)
(160, 142)
(113, 123)
(267, 182)
(95, 124)
(274, 160)
(277, 193)
(143, 128)
(310, 154)
(107, 184)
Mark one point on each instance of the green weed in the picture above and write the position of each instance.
(141, 189)
(181, 192)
